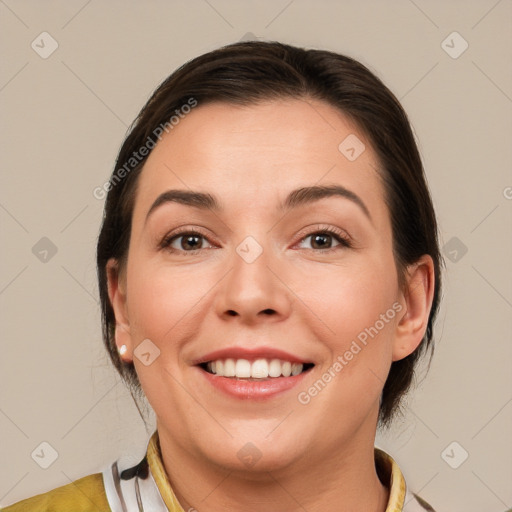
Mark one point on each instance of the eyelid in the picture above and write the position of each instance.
(345, 239)
(184, 230)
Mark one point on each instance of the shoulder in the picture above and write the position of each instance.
(84, 495)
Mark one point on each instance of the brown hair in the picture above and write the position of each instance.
(246, 73)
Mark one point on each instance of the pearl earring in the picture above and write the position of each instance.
(122, 350)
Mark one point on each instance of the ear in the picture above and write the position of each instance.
(117, 294)
(417, 299)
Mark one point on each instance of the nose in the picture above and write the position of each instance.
(254, 292)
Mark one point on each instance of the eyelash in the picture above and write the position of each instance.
(168, 240)
(341, 237)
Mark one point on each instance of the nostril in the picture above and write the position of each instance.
(268, 311)
(230, 312)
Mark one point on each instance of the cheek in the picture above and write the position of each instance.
(361, 314)
(163, 302)
(164, 305)
(349, 299)
(358, 304)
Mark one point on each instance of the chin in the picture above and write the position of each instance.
(255, 455)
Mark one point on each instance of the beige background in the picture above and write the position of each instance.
(63, 119)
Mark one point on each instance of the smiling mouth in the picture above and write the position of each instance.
(257, 370)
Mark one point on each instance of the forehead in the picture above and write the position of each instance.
(262, 150)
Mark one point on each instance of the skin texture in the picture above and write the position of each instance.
(297, 297)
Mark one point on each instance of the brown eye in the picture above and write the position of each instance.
(190, 242)
(324, 240)
(187, 242)
(321, 241)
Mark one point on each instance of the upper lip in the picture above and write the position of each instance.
(250, 354)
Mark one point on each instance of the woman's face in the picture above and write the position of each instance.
(258, 241)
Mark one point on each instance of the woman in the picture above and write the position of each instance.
(269, 275)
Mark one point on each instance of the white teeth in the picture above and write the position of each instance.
(296, 368)
(274, 369)
(242, 368)
(229, 368)
(286, 369)
(258, 369)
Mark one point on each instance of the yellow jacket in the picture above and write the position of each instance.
(145, 487)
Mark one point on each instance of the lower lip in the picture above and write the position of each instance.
(252, 389)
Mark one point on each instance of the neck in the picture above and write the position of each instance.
(344, 481)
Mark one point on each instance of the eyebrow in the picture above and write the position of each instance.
(306, 195)
(199, 200)
(296, 198)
